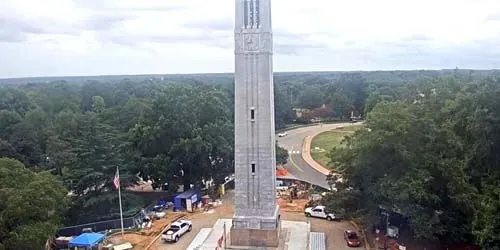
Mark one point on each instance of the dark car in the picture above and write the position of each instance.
(351, 238)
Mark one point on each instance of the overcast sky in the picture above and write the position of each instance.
(97, 37)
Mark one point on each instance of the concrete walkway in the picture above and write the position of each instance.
(295, 236)
(299, 234)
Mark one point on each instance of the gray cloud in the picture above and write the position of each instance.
(22, 25)
(416, 37)
(110, 6)
(208, 38)
(478, 54)
(495, 17)
(297, 49)
(6, 36)
(214, 25)
(17, 28)
(285, 34)
(105, 21)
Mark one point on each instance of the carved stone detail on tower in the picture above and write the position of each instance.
(251, 42)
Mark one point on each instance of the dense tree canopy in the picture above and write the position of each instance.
(432, 150)
(32, 206)
(171, 133)
(432, 154)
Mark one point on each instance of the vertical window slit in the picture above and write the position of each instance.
(246, 13)
(252, 13)
(257, 14)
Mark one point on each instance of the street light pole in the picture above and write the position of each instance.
(225, 235)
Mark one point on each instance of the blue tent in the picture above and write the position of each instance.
(86, 240)
(191, 194)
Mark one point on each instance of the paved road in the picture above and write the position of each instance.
(296, 166)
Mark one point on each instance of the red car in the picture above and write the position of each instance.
(351, 238)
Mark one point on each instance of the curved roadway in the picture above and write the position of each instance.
(296, 165)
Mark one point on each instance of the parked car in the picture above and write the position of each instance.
(319, 211)
(176, 230)
(159, 212)
(351, 238)
(283, 134)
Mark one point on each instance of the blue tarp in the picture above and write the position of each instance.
(86, 240)
(191, 194)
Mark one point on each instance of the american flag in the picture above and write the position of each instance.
(220, 241)
(116, 180)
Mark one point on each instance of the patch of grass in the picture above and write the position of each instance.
(324, 142)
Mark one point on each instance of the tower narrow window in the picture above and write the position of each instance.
(257, 14)
(252, 13)
(253, 168)
(245, 12)
(252, 114)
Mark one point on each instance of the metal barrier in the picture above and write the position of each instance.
(102, 226)
(99, 226)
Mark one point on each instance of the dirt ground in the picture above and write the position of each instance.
(140, 240)
(293, 212)
(295, 206)
(200, 220)
(333, 230)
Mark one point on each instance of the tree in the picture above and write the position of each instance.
(91, 164)
(281, 155)
(311, 97)
(188, 146)
(8, 119)
(414, 159)
(478, 124)
(32, 206)
(354, 86)
(283, 110)
(97, 104)
(14, 99)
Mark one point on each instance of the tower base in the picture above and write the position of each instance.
(256, 231)
(255, 237)
(293, 235)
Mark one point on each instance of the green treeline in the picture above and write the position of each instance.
(68, 135)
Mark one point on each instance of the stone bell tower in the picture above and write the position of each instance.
(256, 219)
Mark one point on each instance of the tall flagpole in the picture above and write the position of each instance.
(120, 198)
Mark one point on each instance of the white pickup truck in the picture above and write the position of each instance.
(319, 211)
(176, 230)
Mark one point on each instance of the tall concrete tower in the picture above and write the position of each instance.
(256, 218)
